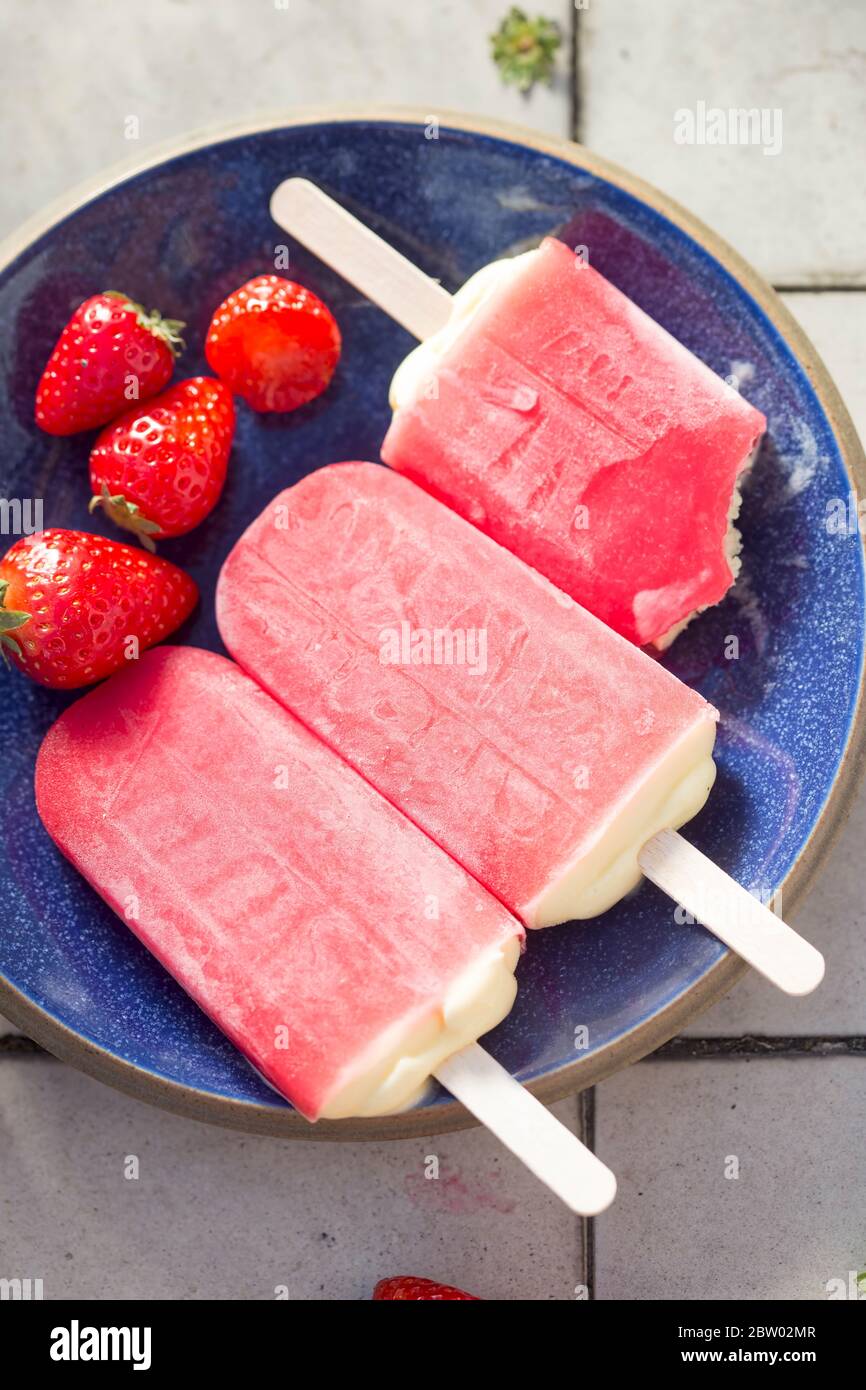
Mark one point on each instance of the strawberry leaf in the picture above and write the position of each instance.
(168, 329)
(525, 49)
(127, 515)
(10, 618)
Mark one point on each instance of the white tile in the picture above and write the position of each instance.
(681, 1229)
(836, 323)
(797, 215)
(833, 916)
(215, 1214)
(180, 66)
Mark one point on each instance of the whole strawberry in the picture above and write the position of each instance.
(75, 607)
(110, 353)
(410, 1288)
(274, 344)
(160, 468)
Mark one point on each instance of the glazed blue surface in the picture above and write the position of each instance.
(181, 237)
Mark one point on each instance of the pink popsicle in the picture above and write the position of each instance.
(539, 748)
(338, 948)
(570, 427)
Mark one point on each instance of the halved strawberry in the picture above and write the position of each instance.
(160, 468)
(75, 607)
(274, 343)
(110, 354)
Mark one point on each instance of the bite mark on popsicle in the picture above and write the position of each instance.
(629, 432)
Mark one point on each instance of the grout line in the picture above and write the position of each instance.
(686, 1049)
(576, 117)
(820, 289)
(16, 1045)
(586, 1125)
(678, 1049)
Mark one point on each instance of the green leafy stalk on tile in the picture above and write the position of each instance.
(524, 49)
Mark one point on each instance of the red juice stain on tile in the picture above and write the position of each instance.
(452, 1194)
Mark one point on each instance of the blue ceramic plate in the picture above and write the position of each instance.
(183, 232)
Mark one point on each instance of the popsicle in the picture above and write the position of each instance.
(547, 754)
(342, 952)
(560, 419)
(339, 949)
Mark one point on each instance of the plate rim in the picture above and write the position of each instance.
(255, 1117)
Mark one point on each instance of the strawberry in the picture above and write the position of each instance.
(273, 343)
(111, 352)
(160, 468)
(409, 1287)
(74, 607)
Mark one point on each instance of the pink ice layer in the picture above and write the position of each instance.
(515, 769)
(566, 424)
(284, 894)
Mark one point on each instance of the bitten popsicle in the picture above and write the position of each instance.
(549, 410)
(338, 948)
(543, 751)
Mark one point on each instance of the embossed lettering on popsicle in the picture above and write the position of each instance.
(521, 770)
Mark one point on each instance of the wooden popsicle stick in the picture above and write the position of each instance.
(421, 305)
(732, 913)
(529, 1130)
(415, 300)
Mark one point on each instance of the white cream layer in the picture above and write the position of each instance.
(407, 1056)
(417, 371)
(674, 792)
